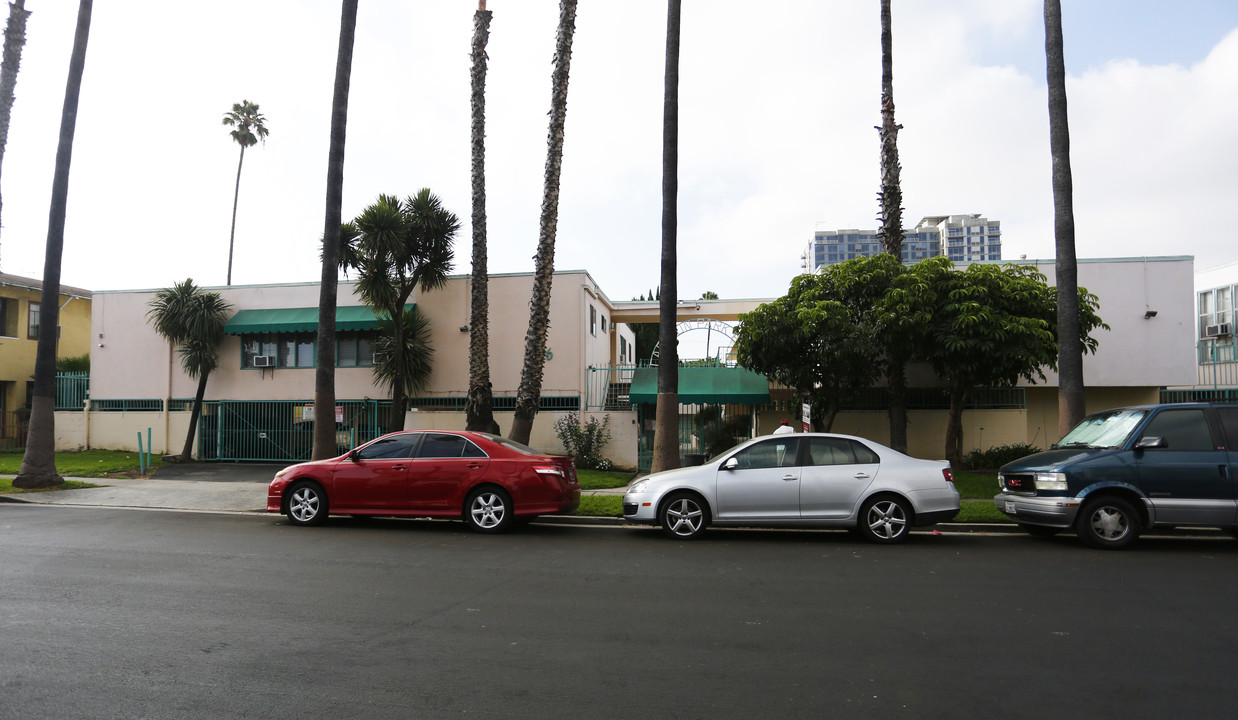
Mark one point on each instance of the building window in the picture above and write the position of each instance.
(593, 321)
(354, 349)
(8, 317)
(32, 329)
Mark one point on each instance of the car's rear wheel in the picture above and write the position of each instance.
(885, 520)
(1040, 530)
(684, 516)
(307, 503)
(1110, 523)
(488, 510)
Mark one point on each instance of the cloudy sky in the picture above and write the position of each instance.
(777, 139)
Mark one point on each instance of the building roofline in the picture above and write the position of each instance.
(32, 284)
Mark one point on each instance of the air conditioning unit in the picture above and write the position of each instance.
(264, 361)
(1218, 330)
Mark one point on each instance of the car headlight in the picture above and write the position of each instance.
(1050, 481)
(638, 486)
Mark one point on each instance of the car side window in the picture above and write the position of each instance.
(769, 454)
(442, 445)
(830, 451)
(388, 448)
(863, 454)
(1183, 430)
(1229, 421)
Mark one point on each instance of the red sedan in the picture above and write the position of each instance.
(485, 480)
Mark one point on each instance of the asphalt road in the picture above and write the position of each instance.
(143, 614)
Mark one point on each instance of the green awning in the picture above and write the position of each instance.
(273, 320)
(704, 386)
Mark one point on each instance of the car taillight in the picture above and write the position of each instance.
(948, 474)
(547, 470)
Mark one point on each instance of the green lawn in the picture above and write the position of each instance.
(599, 480)
(88, 463)
(976, 485)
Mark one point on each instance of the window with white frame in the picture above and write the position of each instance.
(593, 321)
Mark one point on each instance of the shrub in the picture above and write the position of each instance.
(995, 457)
(585, 442)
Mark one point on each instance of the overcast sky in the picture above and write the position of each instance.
(778, 103)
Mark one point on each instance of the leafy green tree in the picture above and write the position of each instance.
(193, 320)
(396, 247)
(249, 127)
(666, 421)
(709, 295)
(324, 373)
(1071, 317)
(14, 40)
(823, 338)
(479, 403)
(38, 465)
(529, 393)
(986, 326)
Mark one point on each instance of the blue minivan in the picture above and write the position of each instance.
(1122, 471)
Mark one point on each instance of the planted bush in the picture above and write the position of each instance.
(996, 456)
(585, 442)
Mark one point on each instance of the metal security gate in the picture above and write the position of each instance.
(281, 430)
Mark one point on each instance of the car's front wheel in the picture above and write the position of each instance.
(1110, 523)
(488, 510)
(885, 520)
(307, 503)
(684, 516)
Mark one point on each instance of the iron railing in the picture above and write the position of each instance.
(72, 389)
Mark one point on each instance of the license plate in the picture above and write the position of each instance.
(1010, 507)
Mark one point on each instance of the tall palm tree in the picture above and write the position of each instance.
(193, 320)
(38, 465)
(666, 422)
(249, 127)
(479, 407)
(1070, 391)
(324, 374)
(14, 40)
(529, 394)
(891, 217)
(396, 247)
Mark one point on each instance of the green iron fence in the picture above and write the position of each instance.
(607, 387)
(281, 430)
(72, 389)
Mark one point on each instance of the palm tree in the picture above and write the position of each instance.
(412, 365)
(38, 465)
(529, 394)
(193, 320)
(891, 219)
(324, 374)
(398, 246)
(1070, 392)
(479, 407)
(666, 422)
(14, 39)
(250, 127)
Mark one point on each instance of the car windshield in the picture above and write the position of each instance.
(1103, 430)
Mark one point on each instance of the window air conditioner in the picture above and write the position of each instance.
(1218, 330)
(262, 361)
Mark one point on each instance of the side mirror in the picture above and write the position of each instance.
(730, 464)
(354, 455)
(1151, 441)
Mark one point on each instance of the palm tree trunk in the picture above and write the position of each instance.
(1071, 398)
(38, 467)
(236, 197)
(479, 405)
(187, 451)
(529, 394)
(666, 422)
(398, 392)
(324, 373)
(891, 196)
(14, 40)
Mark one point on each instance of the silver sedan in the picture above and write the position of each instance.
(799, 480)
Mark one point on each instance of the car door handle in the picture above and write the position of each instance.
(474, 466)
(399, 467)
(789, 478)
(861, 475)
